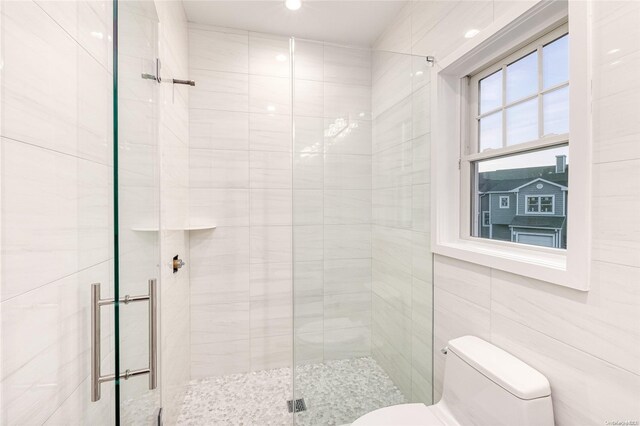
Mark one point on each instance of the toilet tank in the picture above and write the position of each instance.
(484, 385)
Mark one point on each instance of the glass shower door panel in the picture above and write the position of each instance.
(55, 167)
(362, 263)
(138, 187)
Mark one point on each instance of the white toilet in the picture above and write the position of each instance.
(483, 385)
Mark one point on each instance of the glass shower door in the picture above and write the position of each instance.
(362, 263)
(56, 210)
(137, 224)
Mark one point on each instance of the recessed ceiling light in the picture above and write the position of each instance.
(281, 58)
(293, 4)
(471, 33)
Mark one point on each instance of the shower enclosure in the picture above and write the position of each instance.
(292, 180)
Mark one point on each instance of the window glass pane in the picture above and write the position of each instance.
(555, 62)
(556, 111)
(522, 78)
(491, 92)
(491, 131)
(522, 122)
(546, 204)
(538, 184)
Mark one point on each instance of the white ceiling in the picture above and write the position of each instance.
(351, 22)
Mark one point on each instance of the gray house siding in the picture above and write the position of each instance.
(499, 215)
(501, 232)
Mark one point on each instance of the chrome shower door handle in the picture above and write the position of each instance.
(95, 342)
(96, 302)
(153, 334)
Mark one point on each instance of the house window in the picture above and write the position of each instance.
(540, 204)
(504, 202)
(518, 141)
(486, 219)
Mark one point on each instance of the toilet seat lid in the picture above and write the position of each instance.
(400, 415)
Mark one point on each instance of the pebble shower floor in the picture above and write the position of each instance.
(335, 392)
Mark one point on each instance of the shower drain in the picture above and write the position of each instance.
(299, 405)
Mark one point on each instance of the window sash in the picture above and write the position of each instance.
(471, 152)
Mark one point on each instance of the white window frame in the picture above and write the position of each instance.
(474, 83)
(504, 197)
(450, 203)
(539, 197)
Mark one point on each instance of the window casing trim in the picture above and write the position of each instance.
(518, 27)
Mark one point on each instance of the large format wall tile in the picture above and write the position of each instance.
(277, 198)
(224, 91)
(602, 323)
(218, 129)
(269, 55)
(39, 374)
(269, 95)
(616, 229)
(270, 132)
(55, 215)
(466, 280)
(585, 389)
(223, 169)
(218, 51)
(347, 65)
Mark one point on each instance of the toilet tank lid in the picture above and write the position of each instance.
(501, 367)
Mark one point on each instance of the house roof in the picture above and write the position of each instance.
(533, 221)
(508, 180)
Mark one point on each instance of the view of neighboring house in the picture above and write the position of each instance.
(525, 205)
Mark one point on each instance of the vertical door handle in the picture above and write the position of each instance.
(152, 370)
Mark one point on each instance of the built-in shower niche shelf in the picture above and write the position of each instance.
(186, 228)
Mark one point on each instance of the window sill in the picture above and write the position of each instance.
(547, 265)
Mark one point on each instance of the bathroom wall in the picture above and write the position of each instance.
(267, 198)
(56, 129)
(402, 284)
(587, 344)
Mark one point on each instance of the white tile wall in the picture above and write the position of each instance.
(56, 141)
(275, 200)
(585, 343)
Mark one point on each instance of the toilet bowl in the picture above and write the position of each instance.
(483, 385)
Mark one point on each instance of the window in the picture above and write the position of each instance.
(504, 202)
(486, 219)
(540, 204)
(518, 143)
(467, 179)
